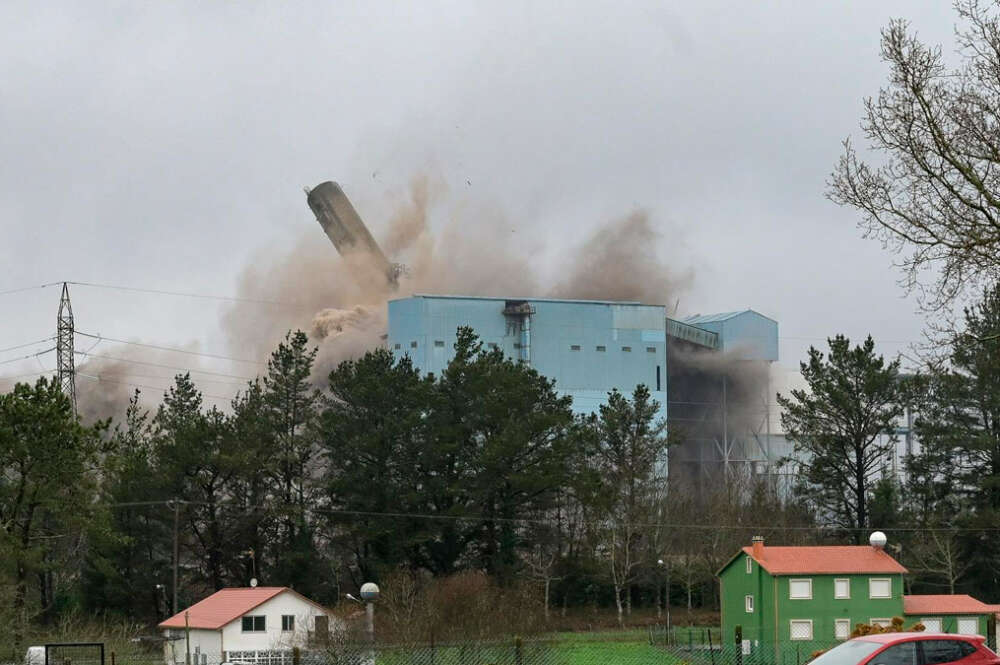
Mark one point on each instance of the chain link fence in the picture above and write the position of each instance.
(653, 646)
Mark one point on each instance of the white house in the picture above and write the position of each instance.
(251, 624)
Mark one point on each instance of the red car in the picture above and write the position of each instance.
(910, 649)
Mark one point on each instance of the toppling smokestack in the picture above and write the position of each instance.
(345, 229)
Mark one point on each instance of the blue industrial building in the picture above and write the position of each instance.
(707, 372)
(588, 347)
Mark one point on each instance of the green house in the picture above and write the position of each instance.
(815, 596)
(956, 613)
(808, 594)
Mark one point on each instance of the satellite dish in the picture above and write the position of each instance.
(253, 581)
(878, 540)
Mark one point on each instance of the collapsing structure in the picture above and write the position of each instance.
(345, 229)
(710, 374)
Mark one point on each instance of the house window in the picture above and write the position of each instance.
(627, 349)
(287, 623)
(880, 587)
(254, 624)
(491, 345)
(748, 603)
(800, 629)
(885, 623)
(658, 378)
(932, 625)
(800, 589)
(413, 345)
(842, 629)
(842, 588)
(439, 343)
(968, 626)
(749, 565)
(397, 347)
(650, 349)
(602, 348)
(574, 347)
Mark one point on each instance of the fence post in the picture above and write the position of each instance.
(296, 656)
(711, 649)
(690, 640)
(112, 658)
(738, 635)
(432, 646)
(518, 651)
(798, 656)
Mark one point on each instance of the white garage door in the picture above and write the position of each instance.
(968, 626)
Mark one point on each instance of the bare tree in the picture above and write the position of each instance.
(934, 195)
(939, 555)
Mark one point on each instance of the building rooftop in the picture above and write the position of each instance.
(722, 316)
(223, 606)
(528, 298)
(945, 604)
(826, 560)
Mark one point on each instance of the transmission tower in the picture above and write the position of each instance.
(64, 347)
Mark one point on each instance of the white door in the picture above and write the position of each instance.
(968, 625)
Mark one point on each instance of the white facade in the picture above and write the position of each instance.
(232, 642)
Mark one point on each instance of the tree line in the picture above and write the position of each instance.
(379, 471)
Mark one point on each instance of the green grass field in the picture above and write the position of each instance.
(626, 647)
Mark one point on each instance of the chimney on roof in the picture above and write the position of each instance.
(758, 547)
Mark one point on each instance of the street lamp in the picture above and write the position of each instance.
(369, 594)
(666, 591)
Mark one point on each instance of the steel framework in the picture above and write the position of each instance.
(65, 364)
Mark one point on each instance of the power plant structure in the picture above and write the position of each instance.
(709, 374)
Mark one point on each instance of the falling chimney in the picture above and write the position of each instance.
(758, 547)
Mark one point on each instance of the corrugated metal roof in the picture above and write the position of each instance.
(723, 316)
(527, 298)
(931, 604)
(712, 318)
(223, 606)
(826, 560)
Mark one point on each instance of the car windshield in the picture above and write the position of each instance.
(848, 653)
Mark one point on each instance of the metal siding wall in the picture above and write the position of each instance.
(587, 374)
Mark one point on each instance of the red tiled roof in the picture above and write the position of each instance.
(945, 604)
(826, 560)
(223, 606)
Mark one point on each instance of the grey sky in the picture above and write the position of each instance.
(167, 146)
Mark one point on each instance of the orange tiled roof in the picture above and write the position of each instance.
(826, 560)
(223, 606)
(945, 604)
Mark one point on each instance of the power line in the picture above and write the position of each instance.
(28, 357)
(21, 346)
(101, 379)
(170, 348)
(529, 520)
(28, 288)
(180, 369)
(127, 375)
(201, 296)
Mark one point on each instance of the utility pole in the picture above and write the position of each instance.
(177, 515)
(65, 365)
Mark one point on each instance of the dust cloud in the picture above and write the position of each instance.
(448, 245)
(469, 251)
